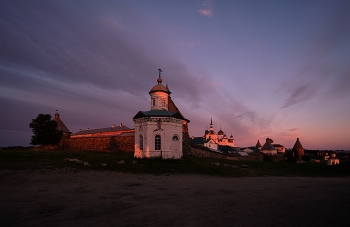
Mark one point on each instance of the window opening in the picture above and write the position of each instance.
(141, 142)
(157, 144)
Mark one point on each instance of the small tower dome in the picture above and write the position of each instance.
(159, 95)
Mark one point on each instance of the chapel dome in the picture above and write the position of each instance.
(160, 87)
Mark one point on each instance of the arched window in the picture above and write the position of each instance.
(157, 142)
(175, 138)
(141, 142)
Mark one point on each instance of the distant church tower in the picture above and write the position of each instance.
(159, 131)
(298, 150)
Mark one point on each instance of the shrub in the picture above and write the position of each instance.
(267, 158)
(306, 158)
(291, 159)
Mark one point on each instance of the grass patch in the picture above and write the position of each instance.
(27, 159)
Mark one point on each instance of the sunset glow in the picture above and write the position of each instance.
(259, 69)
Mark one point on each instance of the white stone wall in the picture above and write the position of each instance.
(167, 128)
(159, 101)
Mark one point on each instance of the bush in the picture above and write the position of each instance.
(306, 158)
(291, 159)
(267, 158)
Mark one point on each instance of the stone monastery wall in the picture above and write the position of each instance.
(200, 151)
(105, 144)
(203, 152)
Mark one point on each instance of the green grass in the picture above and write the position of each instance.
(27, 159)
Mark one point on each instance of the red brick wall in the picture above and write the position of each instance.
(106, 144)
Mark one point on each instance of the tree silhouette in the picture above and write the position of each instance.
(45, 131)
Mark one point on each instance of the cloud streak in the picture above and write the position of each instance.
(320, 71)
(91, 48)
(206, 9)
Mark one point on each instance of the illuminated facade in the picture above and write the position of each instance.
(219, 139)
(159, 131)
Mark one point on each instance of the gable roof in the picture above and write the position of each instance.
(101, 130)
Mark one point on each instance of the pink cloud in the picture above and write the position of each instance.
(206, 10)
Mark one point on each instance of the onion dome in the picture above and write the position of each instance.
(206, 132)
(159, 86)
(221, 132)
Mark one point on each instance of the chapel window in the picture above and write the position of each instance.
(141, 142)
(157, 142)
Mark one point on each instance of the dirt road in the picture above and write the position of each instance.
(70, 197)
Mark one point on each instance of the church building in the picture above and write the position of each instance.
(219, 139)
(159, 132)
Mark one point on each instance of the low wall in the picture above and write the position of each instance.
(206, 153)
(106, 144)
(201, 151)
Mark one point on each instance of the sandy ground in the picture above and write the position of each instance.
(70, 197)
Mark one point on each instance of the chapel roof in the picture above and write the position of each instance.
(160, 87)
(158, 113)
(60, 124)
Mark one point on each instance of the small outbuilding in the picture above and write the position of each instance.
(333, 160)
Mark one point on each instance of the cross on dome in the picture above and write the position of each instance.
(159, 80)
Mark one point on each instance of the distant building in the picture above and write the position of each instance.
(333, 160)
(280, 148)
(298, 150)
(61, 126)
(102, 132)
(109, 139)
(220, 138)
(268, 148)
(258, 145)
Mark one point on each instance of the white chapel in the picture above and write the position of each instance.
(159, 132)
